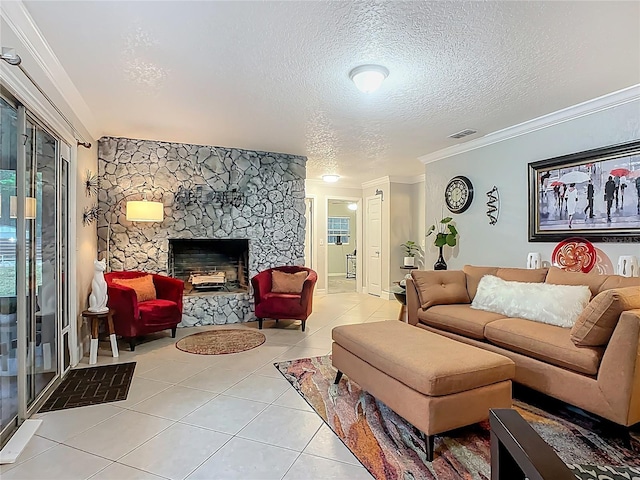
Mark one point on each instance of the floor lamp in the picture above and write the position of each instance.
(136, 211)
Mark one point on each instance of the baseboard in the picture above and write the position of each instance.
(343, 274)
(321, 291)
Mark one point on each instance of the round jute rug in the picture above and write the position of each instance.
(220, 342)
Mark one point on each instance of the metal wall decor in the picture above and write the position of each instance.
(91, 183)
(493, 205)
(90, 214)
(204, 196)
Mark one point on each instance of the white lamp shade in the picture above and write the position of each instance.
(145, 211)
(29, 207)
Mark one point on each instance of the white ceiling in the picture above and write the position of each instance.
(274, 75)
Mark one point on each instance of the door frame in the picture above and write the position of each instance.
(313, 223)
(366, 278)
(357, 201)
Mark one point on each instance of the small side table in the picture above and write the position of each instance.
(401, 296)
(95, 318)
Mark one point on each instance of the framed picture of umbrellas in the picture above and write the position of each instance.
(593, 194)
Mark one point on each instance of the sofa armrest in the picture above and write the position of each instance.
(261, 284)
(413, 303)
(306, 297)
(168, 288)
(619, 372)
(124, 301)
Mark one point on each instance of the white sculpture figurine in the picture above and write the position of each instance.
(98, 297)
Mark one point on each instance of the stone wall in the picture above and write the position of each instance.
(190, 180)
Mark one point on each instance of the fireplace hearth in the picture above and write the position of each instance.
(210, 266)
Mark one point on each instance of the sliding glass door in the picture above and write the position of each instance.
(41, 204)
(8, 242)
(33, 243)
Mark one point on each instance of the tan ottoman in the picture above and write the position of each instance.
(435, 383)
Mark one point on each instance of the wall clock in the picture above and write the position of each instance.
(459, 194)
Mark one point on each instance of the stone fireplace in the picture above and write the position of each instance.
(209, 194)
(216, 266)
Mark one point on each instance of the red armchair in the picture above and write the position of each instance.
(132, 319)
(295, 306)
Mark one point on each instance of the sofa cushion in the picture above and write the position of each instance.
(143, 286)
(526, 275)
(595, 325)
(593, 280)
(618, 281)
(460, 319)
(474, 275)
(159, 312)
(282, 282)
(548, 343)
(440, 287)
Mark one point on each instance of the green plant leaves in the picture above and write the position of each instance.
(444, 238)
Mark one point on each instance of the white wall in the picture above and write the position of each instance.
(336, 254)
(504, 164)
(86, 238)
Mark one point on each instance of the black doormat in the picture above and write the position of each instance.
(91, 386)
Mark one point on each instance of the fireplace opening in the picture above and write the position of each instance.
(210, 266)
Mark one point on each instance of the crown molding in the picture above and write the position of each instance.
(376, 182)
(611, 100)
(24, 27)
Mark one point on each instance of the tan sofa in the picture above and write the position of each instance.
(604, 380)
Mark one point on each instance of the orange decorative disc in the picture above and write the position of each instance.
(574, 255)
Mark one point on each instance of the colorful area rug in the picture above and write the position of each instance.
(390, 448)
(220, 342)
(90, 386)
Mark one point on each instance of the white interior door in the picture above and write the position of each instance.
(373, 231)
(308, 234)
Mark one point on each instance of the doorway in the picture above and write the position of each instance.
(309, 215)
(342, 245)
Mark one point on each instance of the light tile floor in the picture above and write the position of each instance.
(206, 417)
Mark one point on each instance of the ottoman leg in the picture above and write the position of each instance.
(338, 377)
(429, 444)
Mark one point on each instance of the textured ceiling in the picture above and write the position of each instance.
(274, 75)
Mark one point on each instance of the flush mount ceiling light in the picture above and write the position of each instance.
(353, 207)
(331, 178)
(368, 78)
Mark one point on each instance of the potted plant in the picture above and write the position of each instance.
(446, 235)
(410, 250)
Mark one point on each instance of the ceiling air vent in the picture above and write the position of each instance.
(463, 133)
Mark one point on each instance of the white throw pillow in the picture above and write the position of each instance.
(559, 305)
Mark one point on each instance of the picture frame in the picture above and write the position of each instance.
(570, 195)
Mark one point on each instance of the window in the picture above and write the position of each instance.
(338, 226)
